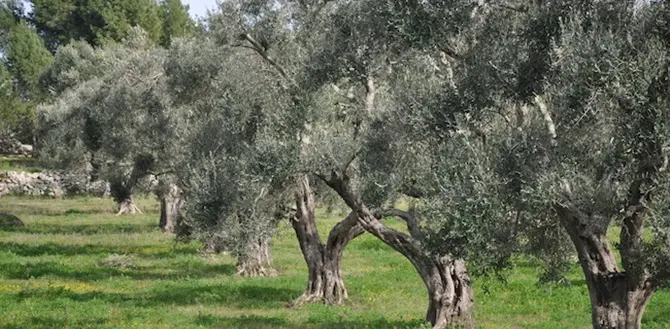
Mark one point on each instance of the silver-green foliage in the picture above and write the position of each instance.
(232, 170)
(111, 110)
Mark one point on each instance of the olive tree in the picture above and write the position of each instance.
(281, 36)
(230, 170)
(573, 135)
(112, 111)
(604, 105)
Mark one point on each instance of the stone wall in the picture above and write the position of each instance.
(50, 183)
(11, 146)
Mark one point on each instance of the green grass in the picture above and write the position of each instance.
(58, 272)
(17, 163)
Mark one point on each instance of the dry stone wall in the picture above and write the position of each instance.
(50, 183)
(11, 146)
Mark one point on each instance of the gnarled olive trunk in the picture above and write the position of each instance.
(450, 295)
(255, 259)
(122, 195)
(446, 279)
(325, 282)
(618, 298)
(171, 206)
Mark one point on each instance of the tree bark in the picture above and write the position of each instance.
(450, 295)
(255, 260)
(171, 205)
(618, 298)
(122, 195)
(127, 207)
(325, 282)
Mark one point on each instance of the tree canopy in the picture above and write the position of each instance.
(509, 127)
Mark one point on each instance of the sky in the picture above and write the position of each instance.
(198, 8)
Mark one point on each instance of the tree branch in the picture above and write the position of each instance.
(409, 217)
(256, 46)
(370, 93)
(551, 127)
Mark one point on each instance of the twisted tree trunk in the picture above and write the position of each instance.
(122, 195)
(325, 281)
(255, 260)
(450, 295)
(171, 205)
(618, 298)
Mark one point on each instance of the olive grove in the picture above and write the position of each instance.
(509, 127)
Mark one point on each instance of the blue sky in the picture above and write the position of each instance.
(199, 7)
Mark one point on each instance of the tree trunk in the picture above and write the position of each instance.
(616, 305)
(450, 295)
(449, 287)
(325, 281)
(255, 260)
(122, 195)
(618, 298)
(127, 207)
(335, 293)
(171, 205)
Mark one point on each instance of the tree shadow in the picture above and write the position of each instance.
(254, 321)
(246, 322)
(377, 324)
(47, 210)
(18, 271)
(86, 229)
(242, 297)
(42, 321)
(248, 296)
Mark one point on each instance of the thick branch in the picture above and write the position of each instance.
(589, 239)
(551, 127)
(340, 184)
(370, 93)
(263, 53)
(409, 217)
(631, 246)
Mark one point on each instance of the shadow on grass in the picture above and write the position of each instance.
(83, 229)
(369, 324)
(242, 297)
(47, 210)
(29, 250)
(18, 271)
(245, 322)
(246, 296)
(254, 321)
(56, 249)
(41, 321)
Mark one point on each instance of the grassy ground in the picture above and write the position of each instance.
(76, 265)
(17, 163)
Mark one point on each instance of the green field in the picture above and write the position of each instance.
(76, 265)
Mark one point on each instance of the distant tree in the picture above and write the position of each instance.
(94, 21)
(15, 115)
(26, 57)
(176, 21)
(115, 116)
(231, 171)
